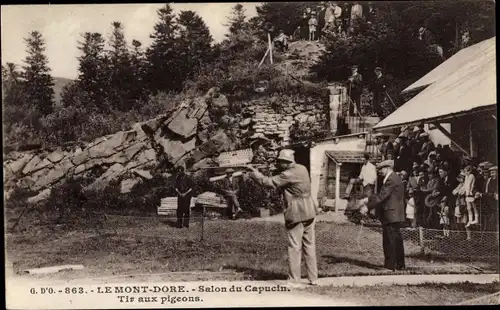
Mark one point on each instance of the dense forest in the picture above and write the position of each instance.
(121, 81)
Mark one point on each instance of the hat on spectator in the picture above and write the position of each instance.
(386, 163)
(286, 155)
(380, 134)
(354, 67)
(432, 153)
(229, 170)
(494, 168)
(431, 201)
(378, 69)
(487, 166)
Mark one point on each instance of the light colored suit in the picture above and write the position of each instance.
(300, 211)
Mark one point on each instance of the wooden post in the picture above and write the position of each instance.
(448, 135)
(337, 187)
(260, 64)
(472, 141)
(270, 47)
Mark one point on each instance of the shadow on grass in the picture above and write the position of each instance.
(331, 259)
(258, 274)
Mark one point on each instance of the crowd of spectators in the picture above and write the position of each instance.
(444, 189)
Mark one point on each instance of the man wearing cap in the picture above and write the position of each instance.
(367, 177)
(355, 88)
(230, 188)
(300, 212)
(378, 88)
(184, 189)
(427, 145)
(489, 196)
(390, 206)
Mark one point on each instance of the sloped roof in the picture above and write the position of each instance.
(463, 59)
(347, 156)
(470, 88)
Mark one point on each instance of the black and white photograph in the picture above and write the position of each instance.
(252, 154)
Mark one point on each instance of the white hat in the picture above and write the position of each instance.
(287, 155)
(386, 163)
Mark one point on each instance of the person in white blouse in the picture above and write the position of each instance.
(367, 177)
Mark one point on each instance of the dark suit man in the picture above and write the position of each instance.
(355, 88)
(378, 88)
(389, 204)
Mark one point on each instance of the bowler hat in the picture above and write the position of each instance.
(386, 163)
(494, 168)
(286, 155)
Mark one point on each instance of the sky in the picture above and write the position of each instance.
(62, 26)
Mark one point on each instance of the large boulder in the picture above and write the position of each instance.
(175, 149)
(183, 125)
(18, 164)
(31, 166)
(127, 185)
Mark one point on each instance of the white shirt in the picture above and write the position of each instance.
(387, 176)
(337, 12)
(368, 174)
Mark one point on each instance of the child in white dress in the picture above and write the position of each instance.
(444, 216)
(410, 208)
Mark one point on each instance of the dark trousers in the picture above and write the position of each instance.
(394, 252)
(356, 102)
(378, 97)
(183, 211)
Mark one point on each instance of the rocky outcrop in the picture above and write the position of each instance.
(189, 133)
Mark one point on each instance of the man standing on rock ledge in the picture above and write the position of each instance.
(300, 213)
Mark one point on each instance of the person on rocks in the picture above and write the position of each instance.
(300, 212)
(356, 16)
(313, 24)
(379, 89)
(390, 206)
(329, 19)
(304, 26)
(355, 89)
(346, 18)
(337, 13)
(281, 42)
(321, 20)
(184, 188)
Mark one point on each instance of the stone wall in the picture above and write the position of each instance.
(189, 132)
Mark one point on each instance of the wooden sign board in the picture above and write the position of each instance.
(168, 205)
(235, 158)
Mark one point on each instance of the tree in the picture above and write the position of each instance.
(93, 69)
(121, 73)
(284, 16)
(236, 21)
(38, 87)
(138, 63)
(163, 67)
(12, 85)
(193, 44)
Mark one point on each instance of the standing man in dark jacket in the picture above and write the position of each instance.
(379, 90)
(355, 88)
(389, 204)
(321, 20)
(184, 189)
